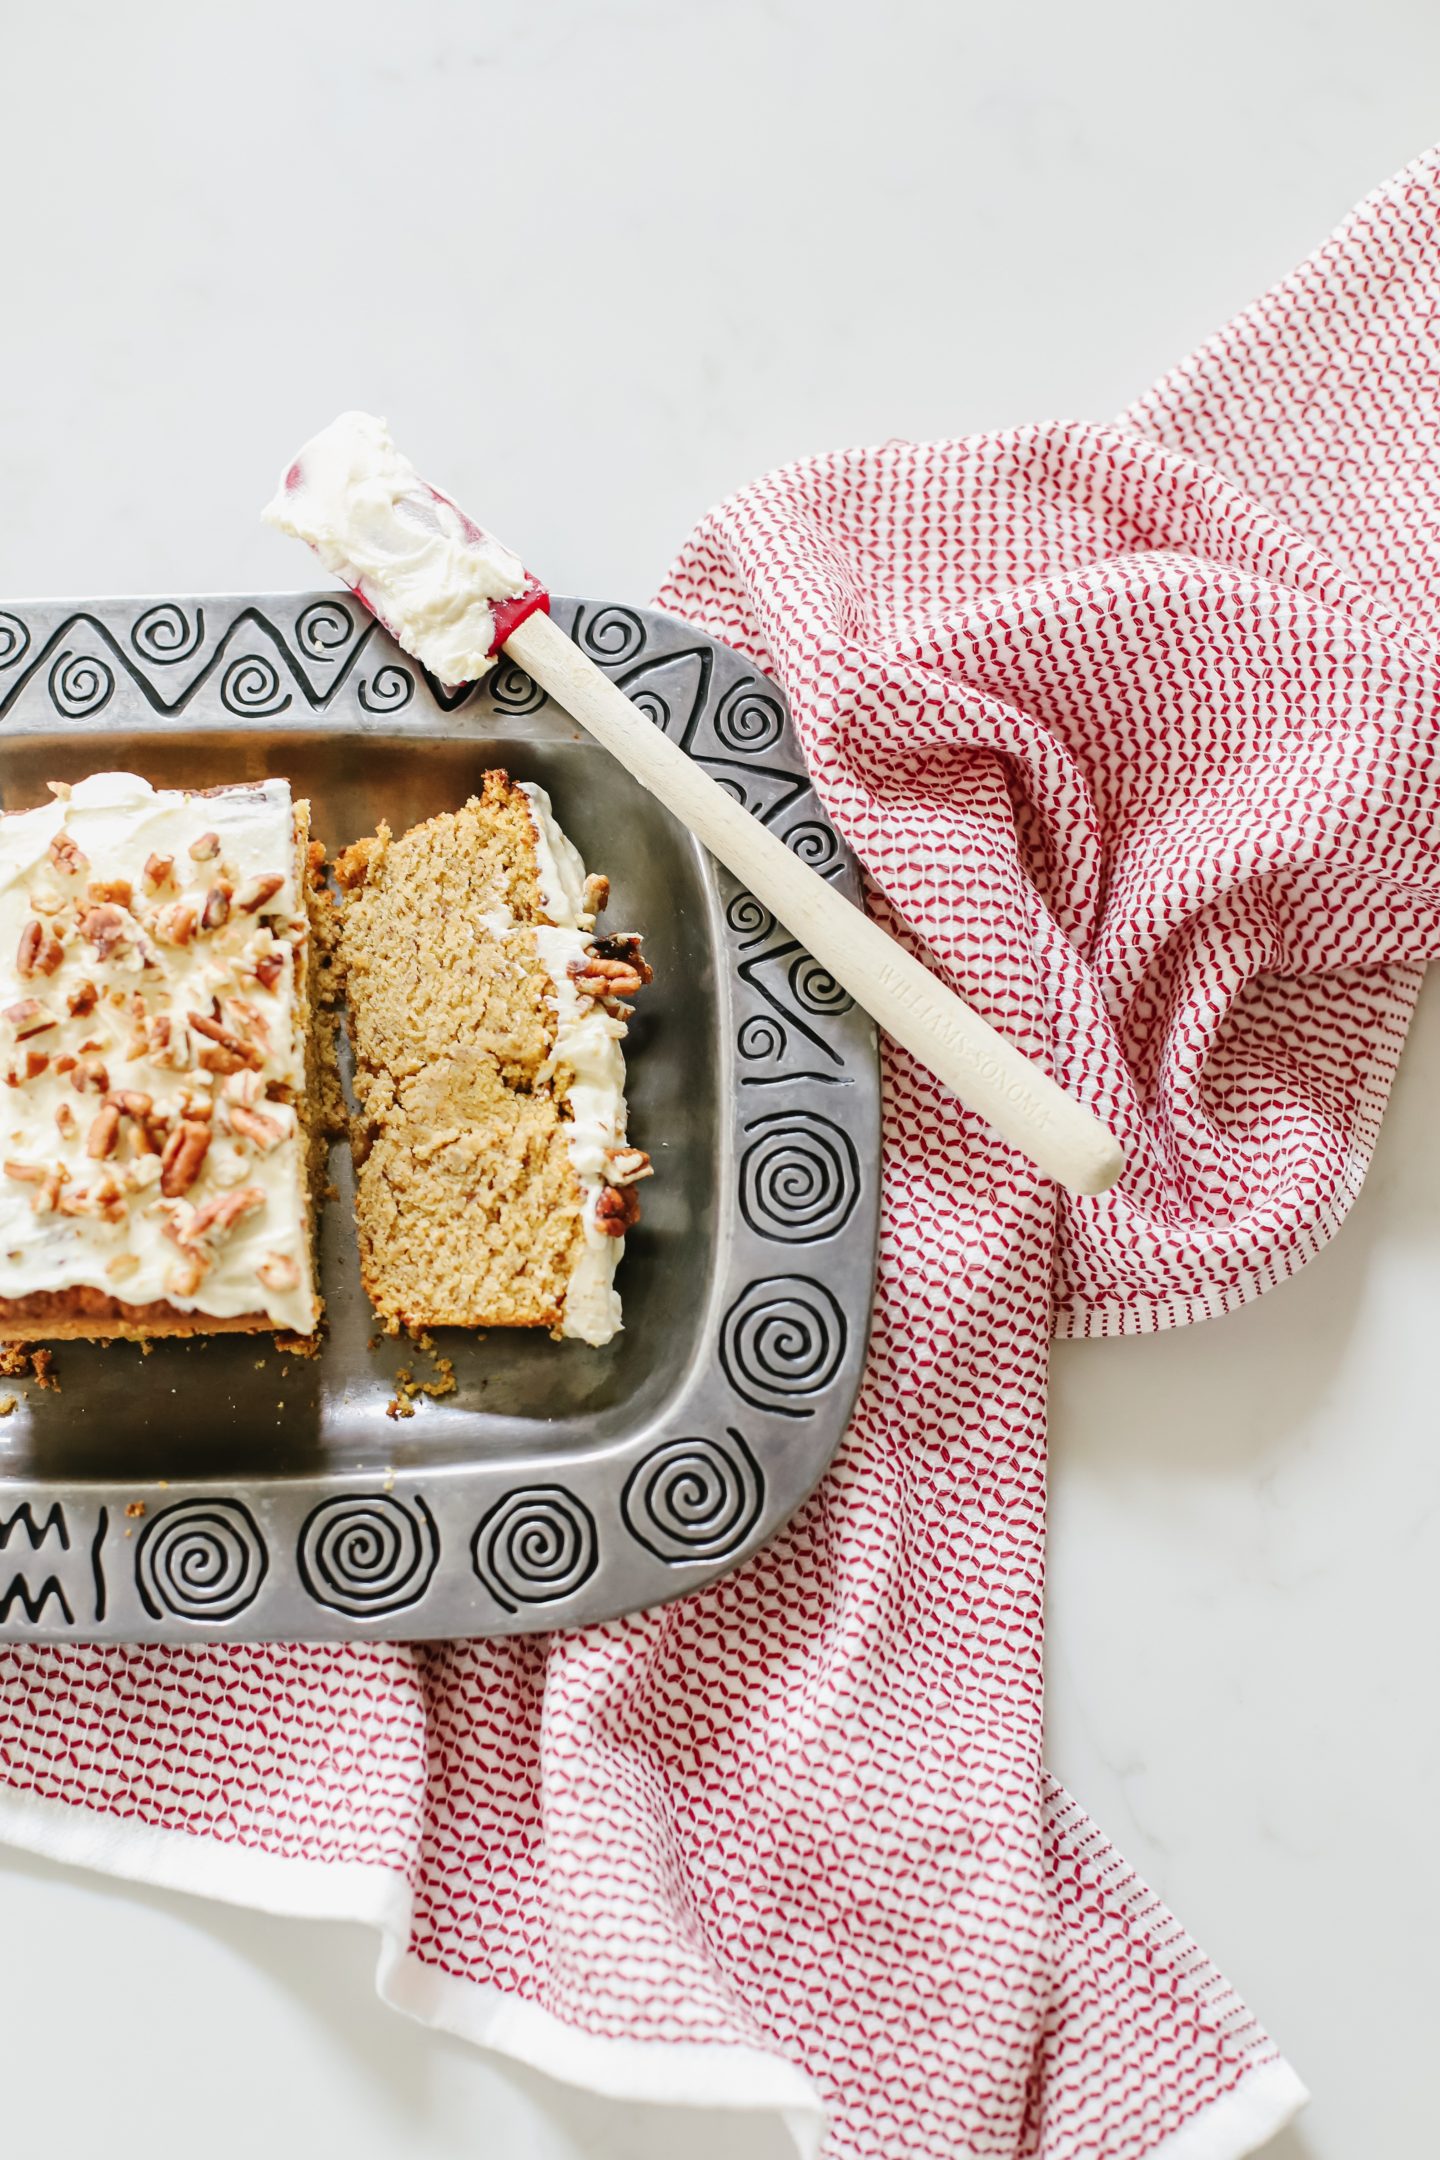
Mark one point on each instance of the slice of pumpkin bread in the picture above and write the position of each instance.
(495, 1182)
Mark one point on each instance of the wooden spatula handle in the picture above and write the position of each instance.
(987, 1073)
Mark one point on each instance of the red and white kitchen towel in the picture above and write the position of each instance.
(1135, 728)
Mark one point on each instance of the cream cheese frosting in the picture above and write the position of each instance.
(417, 562)
(145, 1155)
(587, 1043)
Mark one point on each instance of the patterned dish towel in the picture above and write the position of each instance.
(1135, 729)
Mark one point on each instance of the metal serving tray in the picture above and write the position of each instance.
(221, 1490)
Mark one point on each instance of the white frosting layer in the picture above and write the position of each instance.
(416, 561)
(104, 1221)
(587, 1041)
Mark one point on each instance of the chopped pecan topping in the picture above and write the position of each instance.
(119, 889)
(133, 1101)
(167, 1045)
(216, 911)
(29, 1017)
(26, 1173)
(206, 848)
(40, 950)
(617, 1209)
(123, 1264)
(108, 928)
(257, 892)
(624, 945)
(183, 1157)
(105, 1201)
(185, 1278)
(47, 899)
(266, 1132)
(269, 968)
(104, 1132)
(90, 1075)
(159, 869)
(144, 1172)
(66, 857)
(600, 978)
(627, 1165)
(278, 1272)
(36, 1062)
(65, 1119)
(233, 1045)
(244, 1087)
(596, 894)
(47, 1196)
(219, 1215)
(83, 998)
(176, 923)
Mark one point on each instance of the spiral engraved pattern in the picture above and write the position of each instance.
(748, 919)
(782, 1339)
(200, 1560)
(534, 1546)
(815, 991)
(613, 634)
(14, 640)
(80, 684)
(368, 1553)
(388, 690)
(749, 720)
(761, 1037)
(694, 1499)
(250, 686)
(324, 629)
(654, 707)
(512, 690)
(814, 843)
(799, 1177)
(165, 634)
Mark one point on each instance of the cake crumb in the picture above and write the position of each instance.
(7, 1404)
(14, 1361)
(134, 1508)
(42, 1364)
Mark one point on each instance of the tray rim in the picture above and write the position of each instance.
(252, 1538)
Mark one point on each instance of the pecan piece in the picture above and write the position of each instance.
(596, 893)
(65, 1119)
(40, 950)
(176, 923)
(257, 892)
(216, 911)
(266, 1132)
(217, 1216)
(107, 927)
(233, 1045)
(624, 945)
(185, 1278)
(26, 1173)
(269, 968)
(83, 998)
(29, 1017)
(158, 871)
(36, 1062)
(617, 1209)
(66, 857)
(104, 1132)
(183, 1157)
(206, 848)
(627, 1165)
(600, 978)
(278, 1272)
(90, 1075)
(119, 889)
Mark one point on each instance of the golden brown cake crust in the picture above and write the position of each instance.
(86, 1314)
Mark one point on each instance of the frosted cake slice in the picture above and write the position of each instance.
(495, 1178)
(157, 1048)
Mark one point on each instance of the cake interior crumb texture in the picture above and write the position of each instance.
(494, 1177)
(161, 1062)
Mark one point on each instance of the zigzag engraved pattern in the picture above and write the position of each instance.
(1135, 729)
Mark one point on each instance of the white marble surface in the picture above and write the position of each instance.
(600, 264)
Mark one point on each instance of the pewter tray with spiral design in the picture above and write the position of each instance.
(222, 1490)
